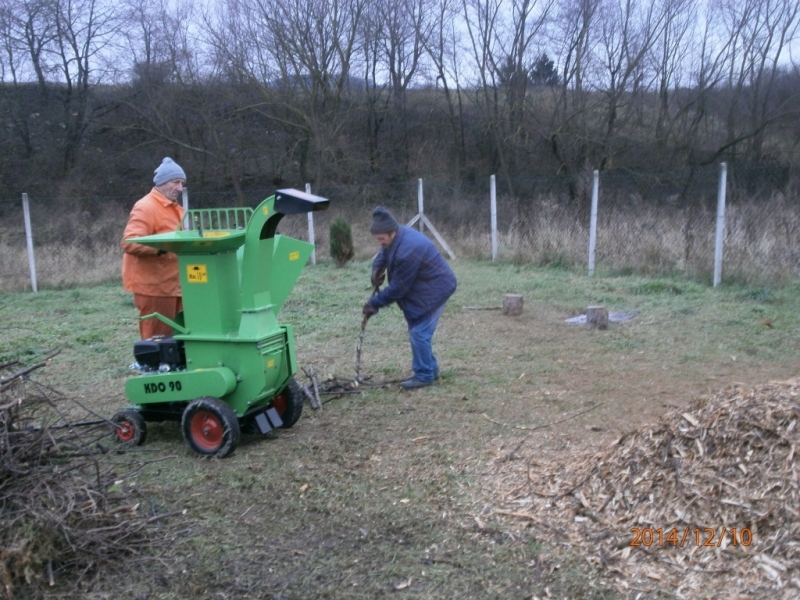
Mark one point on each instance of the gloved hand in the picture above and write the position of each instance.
(369, 310)
(378, 277)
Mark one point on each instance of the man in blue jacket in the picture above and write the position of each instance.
(420, 281)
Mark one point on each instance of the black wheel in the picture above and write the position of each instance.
(210, 427)
(289, 403)
(129, 427)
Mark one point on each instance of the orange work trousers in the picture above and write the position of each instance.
(169, 306)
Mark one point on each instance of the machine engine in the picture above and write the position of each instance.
(159, 354)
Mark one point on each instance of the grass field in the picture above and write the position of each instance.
(392, 493)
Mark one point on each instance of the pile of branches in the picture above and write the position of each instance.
(64, 511)
(707, 499)
(334, 387)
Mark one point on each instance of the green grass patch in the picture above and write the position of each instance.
(391, 492)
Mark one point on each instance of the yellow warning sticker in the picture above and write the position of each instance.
(216, 234)
(265, 210)
(197, 273)
(294, 256)
(270, 363)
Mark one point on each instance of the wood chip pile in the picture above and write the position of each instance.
(703, 504)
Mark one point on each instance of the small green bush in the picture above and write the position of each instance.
(341, 237)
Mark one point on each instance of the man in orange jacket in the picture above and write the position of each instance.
(152, 275)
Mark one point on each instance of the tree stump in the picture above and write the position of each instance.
(512, 305)
(596, 317)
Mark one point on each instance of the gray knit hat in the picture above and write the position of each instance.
(383, 221)
(167, 171)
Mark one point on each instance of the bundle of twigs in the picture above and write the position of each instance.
(335, 387)
(64, 512)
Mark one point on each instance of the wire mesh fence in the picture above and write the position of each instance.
(652, 223)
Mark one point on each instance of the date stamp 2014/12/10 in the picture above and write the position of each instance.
(708, 536)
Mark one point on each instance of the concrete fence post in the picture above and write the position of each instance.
(29, 242)
(493, 212)
(593, 221)
(720, 240)
(311, 230)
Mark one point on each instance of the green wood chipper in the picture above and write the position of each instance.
(229, 366)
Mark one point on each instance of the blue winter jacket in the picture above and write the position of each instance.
(420, 280)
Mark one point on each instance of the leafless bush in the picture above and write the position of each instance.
(763, 240)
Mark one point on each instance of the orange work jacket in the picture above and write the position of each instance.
(144, 271)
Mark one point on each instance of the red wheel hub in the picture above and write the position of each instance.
(125, 431)
(207, 430)
(279, 403)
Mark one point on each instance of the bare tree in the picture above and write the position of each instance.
(405, 27)
(177, 97)
(63, 43)
(299, 54)
(503, 51)
(159, 44)
(627, 35)
(671, 56)
(27, 29)
(85, 28)
(528, 20)
(574, 41)
(483, 22)
(763, 32)
(737, 66)
(376, 96)
(442, 45)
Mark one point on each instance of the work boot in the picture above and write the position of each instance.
(414, 383)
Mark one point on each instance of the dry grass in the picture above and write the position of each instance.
(762, 242)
